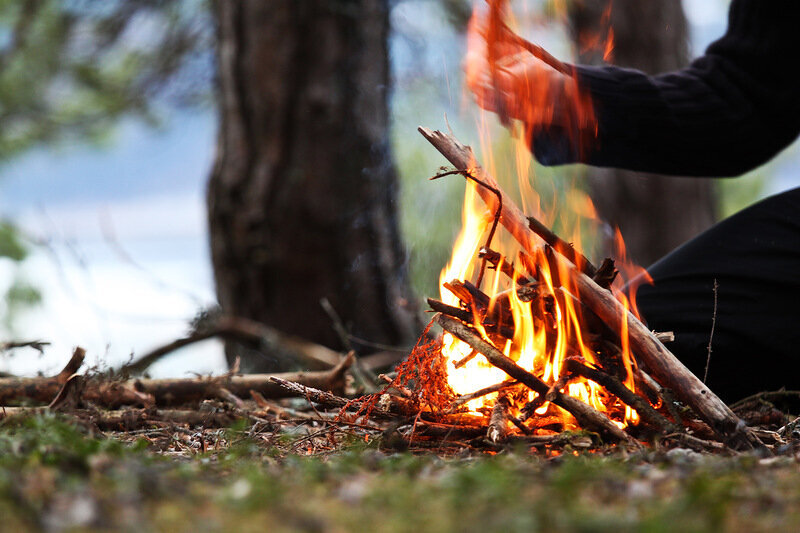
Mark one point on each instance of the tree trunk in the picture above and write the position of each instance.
(654, 213)
(301, 199)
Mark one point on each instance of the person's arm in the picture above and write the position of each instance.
(732, 110)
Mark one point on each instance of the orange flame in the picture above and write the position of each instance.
(551, 328)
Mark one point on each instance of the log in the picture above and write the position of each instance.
(170, 392)
(40, 389)
(662, 364)
(107, 393)
(586, 415)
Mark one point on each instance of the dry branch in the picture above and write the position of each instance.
(40, 389)
(103, 392)
(662, 364)
(190, 390)
(266, 339)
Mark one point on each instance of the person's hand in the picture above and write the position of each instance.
(510, 81)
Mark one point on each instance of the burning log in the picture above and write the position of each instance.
(664, 366)
(585, 414)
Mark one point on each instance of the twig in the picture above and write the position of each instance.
(367, 378)
(468, 174)
(713, 325)
(36, 345)
(464, 398)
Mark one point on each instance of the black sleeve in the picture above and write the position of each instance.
(730, 111)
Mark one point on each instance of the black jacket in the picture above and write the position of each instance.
(730, 111)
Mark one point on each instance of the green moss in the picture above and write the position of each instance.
(45, 462)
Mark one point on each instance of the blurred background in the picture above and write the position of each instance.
(108, 132)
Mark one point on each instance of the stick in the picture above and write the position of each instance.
(587, 416)
(36, 345)
(615, 387)
(499, 263)
(268, 340)
(461, 400)
(663, 365)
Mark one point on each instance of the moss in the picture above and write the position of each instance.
(49, 470)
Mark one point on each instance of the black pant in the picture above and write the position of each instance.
(755, 257)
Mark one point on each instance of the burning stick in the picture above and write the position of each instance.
(461, 400)
(615, 387)
(586, 415)
(665, 367)
(499, 263)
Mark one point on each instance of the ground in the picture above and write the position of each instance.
(58, 476)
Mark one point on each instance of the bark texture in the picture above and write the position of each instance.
(301, 199)
(654, 213)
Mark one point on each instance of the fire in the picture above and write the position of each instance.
(536, 299)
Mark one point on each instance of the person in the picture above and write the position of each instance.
(730, 111)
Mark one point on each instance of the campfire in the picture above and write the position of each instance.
(537, 340)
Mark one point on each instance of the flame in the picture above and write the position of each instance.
(550, 328)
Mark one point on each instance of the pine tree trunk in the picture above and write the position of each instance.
(654, 213)
(301, 199)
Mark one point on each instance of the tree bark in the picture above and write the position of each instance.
(301, 198)
(654, 213)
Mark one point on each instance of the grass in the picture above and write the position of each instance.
(55, 476)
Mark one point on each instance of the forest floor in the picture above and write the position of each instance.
(55, 476)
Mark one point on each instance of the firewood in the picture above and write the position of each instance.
(615, 387)
(499, 263)
(663, 365)
(606, 274)
(586, 415)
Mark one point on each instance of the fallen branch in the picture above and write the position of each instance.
(103, 392)
(268, 340)
(36, 345)
(179, 391)
(40, 389)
